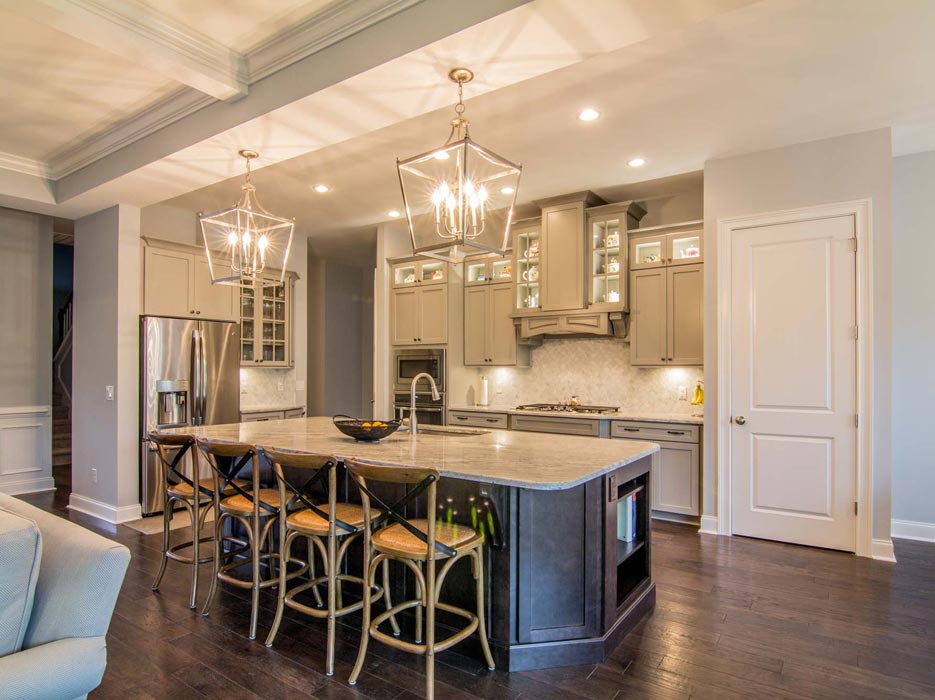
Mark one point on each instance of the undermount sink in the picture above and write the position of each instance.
(446, 430)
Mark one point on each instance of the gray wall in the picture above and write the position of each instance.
(913, 338)
(821, 172)
(26, 309)
(340, 338)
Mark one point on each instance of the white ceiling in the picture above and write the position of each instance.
(769, 74)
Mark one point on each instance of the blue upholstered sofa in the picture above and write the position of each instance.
(58, 586)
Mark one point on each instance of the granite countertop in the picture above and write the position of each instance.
(508, 458)
(618, 415)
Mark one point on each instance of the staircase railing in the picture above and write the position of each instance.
(61, 362)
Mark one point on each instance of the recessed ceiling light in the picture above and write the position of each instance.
(322, 188)
(636, 162)
(392, 213)
(507, 190)
(588, 115)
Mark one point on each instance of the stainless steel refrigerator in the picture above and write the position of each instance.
(190, 375)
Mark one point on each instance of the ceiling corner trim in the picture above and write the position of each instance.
(24, 166)
(319, 31)
(147, 37)
(168, 110)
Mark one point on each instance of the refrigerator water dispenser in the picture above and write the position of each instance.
(172, 403)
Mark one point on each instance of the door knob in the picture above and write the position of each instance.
(740, 420)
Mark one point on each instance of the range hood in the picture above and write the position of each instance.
(570, 324)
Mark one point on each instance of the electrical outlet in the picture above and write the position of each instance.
(280, 385)
(499, 387)
(683, 393)
(109, 393)
(93, 475)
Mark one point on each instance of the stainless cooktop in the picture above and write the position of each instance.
(566, 408)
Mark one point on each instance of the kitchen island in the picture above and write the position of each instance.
(562, 586)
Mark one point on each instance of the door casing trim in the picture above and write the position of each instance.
(861, 210)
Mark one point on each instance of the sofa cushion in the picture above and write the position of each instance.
(20, 555)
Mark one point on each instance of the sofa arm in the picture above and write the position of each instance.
(60, 670)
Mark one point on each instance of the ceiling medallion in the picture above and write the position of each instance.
(242, 242)
(459, 197)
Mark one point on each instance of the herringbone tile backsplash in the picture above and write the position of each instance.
(598, 372)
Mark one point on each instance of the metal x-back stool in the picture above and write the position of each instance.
(328, 527)
(179, 488)
(257, 510)
(415, 542)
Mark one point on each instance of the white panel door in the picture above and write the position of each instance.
(793, 382)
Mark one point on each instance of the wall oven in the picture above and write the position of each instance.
(428, 410)
(409, 363)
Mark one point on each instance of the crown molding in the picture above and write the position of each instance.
(319, 31)
(136, 31)
(168, 110)
(25, 166)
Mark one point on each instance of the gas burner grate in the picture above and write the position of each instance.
(566, 408)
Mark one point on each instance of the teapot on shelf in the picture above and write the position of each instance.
(613, 265)
(532, 274)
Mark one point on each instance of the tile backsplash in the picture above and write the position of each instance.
(598, 372)
(266, 388)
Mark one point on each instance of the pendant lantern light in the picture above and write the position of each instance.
(242, 242)
(459, 197)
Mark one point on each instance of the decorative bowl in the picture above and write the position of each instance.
(365, 430)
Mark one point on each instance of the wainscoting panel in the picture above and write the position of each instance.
(26, 449)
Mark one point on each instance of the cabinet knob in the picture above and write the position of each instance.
(197, 312)
(670, 359)
(192, 311)
(662, 359)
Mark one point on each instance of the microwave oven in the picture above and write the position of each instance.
(410, 363)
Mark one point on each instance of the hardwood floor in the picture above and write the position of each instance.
(735, 618)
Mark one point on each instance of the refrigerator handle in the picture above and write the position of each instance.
(194, 400)
(204, 378)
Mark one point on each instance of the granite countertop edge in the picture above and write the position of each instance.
(271, 407)
(619, 415)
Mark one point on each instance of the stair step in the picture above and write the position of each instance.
(61, 450)
(61, 460)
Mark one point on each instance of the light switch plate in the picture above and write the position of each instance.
(109, 392)
(683, 393)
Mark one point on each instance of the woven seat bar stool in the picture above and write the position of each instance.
(416, 543)
(257, 510)
(178, 488)
(330, 528)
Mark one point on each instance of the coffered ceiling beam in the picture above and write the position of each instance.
(149, 38)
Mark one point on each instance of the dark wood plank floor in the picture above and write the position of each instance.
(736, 618)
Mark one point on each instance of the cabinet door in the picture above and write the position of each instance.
(476, 345)
(502, 332)
(685, 314)
(563, 258)
(169, 278)
(648, 252)
(433, 321)
(648, 317)
(675, 479)
(213, 301)
(405, 316)
(684, 248)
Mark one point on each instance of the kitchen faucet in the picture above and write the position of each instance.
(413, 423)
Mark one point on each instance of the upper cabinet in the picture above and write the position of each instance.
(562, 271)
(266, 326)
(488, 269)
(489, 331)
(527, 243)
(420, 303)
(662, 248)
(608, 228)
(667, 316)
(177, 282)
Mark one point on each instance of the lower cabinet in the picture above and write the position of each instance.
(259, 416)
(591, 427)
(479, 419)
(676, 467)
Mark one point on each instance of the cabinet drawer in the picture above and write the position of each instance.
(671, 432)
(254, 416)
(479, 419)
(295, 413)
(563, 426)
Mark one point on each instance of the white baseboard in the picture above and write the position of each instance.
(912, 530)
(104, 511)
(882, 550)
(34, 485)
(708, 525)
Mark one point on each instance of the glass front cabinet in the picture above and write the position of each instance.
(526, 268)
(419, 273)
(666, 248)
(607, 228)
(266, 326)
(488, 269)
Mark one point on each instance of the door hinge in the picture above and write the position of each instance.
(856, 421)
(856, 332)
(855, 507)
(854, 244)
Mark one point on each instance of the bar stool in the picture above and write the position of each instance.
(257, 510)
(414, 543)
(328, 527)
(179, 488)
